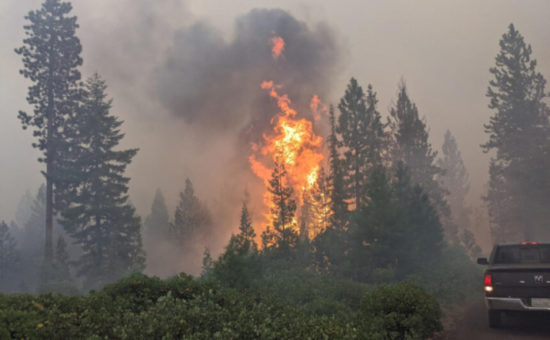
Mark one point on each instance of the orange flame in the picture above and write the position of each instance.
(277, 47)
(294, 142)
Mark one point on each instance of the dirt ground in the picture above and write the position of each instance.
(469, 322)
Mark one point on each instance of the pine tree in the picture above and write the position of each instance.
(51, 57)
(412, 148)
(377, 230)
(244, 242)
(339, 206)
(454, 180)
(245, 227)
(283, 235)
(157, 224)
(100, 218)
(423, 232)
(192, 218)
(321, 204)
(363, 137)
(519, 132)
(9, 258)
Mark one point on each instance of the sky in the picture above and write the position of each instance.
(442, 50)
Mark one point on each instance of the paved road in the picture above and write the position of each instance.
(470, 323)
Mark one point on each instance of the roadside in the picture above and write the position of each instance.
(468, 321)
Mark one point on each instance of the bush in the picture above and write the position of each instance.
(139, 307)
(399, 311)
(453, 278)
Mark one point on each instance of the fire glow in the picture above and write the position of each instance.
(292, 142)
(277, 47)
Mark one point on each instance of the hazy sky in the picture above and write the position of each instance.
(442, 49)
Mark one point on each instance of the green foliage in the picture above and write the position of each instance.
(398, 232)
(455, 181)
(282, 236)
(51, 58)
(452, 278)
(9, 258)
(363, 139)
(100, 218)
(157, 224)
(519, 132)
(139, 307)
(192, 217)
(336, 177)
(399, 311)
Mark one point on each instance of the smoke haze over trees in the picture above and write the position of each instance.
(190, 100)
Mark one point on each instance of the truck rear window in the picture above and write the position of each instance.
(517, 254)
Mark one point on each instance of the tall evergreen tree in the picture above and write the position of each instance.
(9, 258)
(192, 218)
(412, 148)
(363, 136)
(157, 224)
(377, 230)
(454, 180)
(245, 227)
(339, 206)
(398, 233)
(321, 204)
(283, 235)
(51, 57)
(244, 242)
(519, 185)
(423, 230)
(100, 217)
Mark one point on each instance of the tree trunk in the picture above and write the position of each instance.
(48, 246)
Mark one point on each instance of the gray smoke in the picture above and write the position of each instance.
(215, 84)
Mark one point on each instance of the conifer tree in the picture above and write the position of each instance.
(519, 131)
(244, 242)
(157, 224)
(100, 218)
(9, 258)
(245, 228)
(454, 180)
(321, 204)
(412, 148)
(423, 232)
(377, 230)
(339, 206)
(362, 132)
(51, 57)
(191, 218)
(283, 235)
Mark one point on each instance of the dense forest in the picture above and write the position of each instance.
(372, 240)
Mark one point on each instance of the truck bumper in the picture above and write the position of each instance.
(511, 304)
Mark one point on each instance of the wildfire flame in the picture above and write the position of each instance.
(277, 47)
(292, 142)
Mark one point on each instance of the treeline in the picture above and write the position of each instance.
(378, 215)
(85, 197)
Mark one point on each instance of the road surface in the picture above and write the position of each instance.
(470, 323)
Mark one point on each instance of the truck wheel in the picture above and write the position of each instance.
(495, 318)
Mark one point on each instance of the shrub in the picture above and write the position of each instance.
(399, 311)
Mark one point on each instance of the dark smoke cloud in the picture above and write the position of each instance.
(215, 84)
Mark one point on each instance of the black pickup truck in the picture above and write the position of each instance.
(517, 279)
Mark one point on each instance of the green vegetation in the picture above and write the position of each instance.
(140, 307)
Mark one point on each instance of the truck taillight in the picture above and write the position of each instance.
(488, 283)
(529, 243)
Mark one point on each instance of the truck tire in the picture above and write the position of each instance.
(495, 318)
